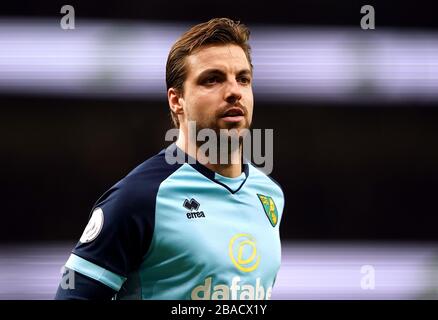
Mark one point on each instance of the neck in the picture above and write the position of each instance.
(230, 169)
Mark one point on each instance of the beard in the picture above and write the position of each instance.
(214, 122)
(227, 137)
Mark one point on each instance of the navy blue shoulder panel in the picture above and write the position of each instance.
(129, 218)
(276, 182)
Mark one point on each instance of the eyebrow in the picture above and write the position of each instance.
(220, 72)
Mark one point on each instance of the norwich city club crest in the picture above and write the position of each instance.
(270, 208)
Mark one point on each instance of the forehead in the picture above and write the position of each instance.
(223, 57)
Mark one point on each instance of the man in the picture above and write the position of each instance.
(189, 230)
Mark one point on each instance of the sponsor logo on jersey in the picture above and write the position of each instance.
(233, 291)
(270, 208)
(242, 250)
(193, 206)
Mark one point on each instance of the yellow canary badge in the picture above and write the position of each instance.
(270, 208)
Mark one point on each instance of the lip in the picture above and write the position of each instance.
(233, 112)
(232, 118)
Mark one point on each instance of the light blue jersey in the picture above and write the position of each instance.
(183, 231)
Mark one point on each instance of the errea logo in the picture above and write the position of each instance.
(193, 206)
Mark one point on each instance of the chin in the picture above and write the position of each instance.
(233, 125)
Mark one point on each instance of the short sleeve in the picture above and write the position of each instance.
(117, 236)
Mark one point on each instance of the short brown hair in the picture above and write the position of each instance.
(216, 31)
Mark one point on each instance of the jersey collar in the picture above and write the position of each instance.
(229, 183)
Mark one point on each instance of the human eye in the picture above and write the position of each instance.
(211, 80)
(244, 80)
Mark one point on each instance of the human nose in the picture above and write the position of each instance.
(233, 92)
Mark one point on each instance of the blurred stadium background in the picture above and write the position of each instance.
(354, 114)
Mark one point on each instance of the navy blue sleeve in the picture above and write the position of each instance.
(125, 234)
(84, 289)
(120, 237)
